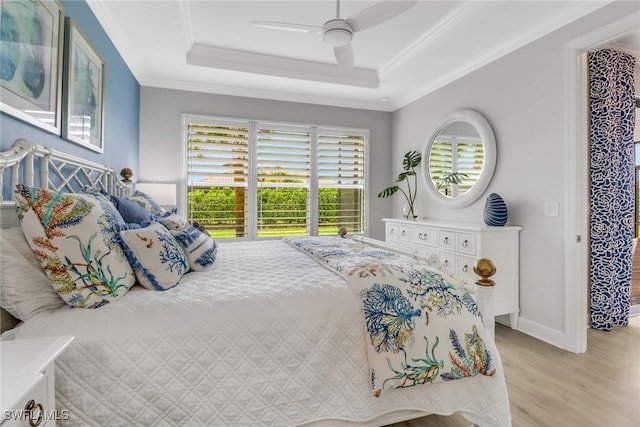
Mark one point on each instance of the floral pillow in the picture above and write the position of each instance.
(74, 237)
(156, 257)
(200, 249)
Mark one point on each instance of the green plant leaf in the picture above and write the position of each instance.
(411, 160)
(405, 175)
(389, 191)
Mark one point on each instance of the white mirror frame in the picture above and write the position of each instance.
(488, 138)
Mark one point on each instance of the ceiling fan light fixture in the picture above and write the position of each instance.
(337, 33)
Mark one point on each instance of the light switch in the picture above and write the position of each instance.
(550, 209)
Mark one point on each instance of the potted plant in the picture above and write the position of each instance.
(409, 163)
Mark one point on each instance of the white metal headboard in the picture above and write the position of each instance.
(36, 165)
(56, 171)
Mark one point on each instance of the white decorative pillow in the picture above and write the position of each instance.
(24, 288)
(74, 236)
(174, 222)
(144, 200)
(200, 248)
(156, 257)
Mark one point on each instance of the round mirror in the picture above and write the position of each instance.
(459, 159)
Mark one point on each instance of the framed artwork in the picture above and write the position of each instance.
(84, 91)
(31, 48)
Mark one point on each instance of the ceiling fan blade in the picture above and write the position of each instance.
(378, 13)
(344, 56)
(286, 26)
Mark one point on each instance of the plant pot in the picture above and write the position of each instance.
(407, 211)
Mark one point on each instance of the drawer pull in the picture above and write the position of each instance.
(465, 243)
(446, 241)
(392, 231)
(446, 263)
(32, 407)
(403, 232)
(422, 236)
(465, 268)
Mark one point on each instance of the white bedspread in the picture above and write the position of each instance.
(267, 337)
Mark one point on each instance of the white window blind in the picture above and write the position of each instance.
(255, 180)
(283, 173)
(455, 156)
(217, 177)
(341, 181)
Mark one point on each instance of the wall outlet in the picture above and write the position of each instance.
(550, 209)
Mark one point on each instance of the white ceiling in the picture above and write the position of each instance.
(210, 46)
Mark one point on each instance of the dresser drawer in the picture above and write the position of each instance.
(466, 243)
(464, 267)
(448, 260)
(398, 233)
(35, 404)
(426, 236)
(424, 251)
(447, 240)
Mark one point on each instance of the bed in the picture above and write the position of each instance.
(273, 333)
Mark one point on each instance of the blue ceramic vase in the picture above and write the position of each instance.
(495, 210)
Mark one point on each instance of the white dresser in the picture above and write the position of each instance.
(459, 245)
(28, 381)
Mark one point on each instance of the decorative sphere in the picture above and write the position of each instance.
(484, 268)
(126, 173)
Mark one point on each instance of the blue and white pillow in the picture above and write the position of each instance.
(131, 212)
(174, 222)
(157, 259)
(200, 249)
(147, 202)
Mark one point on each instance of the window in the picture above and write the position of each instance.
(218, 177)
(341, 178)
(283, 175)
(255, 180)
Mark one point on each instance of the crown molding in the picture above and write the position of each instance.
(436, 31)
(186, 26)
(117, 35)
(573, 12)
(242, 91)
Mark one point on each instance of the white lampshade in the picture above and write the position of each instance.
(162, 193)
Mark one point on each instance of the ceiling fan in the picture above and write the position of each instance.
(338, 32)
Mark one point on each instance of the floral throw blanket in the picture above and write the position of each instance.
(420, 327)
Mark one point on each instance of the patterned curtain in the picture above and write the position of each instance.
(612, 185)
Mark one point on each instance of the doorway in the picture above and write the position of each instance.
(577, 177)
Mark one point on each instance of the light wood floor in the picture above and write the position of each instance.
(551, 387)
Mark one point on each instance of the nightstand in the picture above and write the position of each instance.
(27, 372)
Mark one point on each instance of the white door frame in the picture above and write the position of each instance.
(577, 176)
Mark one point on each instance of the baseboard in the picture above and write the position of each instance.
(541, 332)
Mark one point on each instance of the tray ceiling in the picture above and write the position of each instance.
(211, 46)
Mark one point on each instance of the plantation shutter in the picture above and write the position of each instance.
(217, 176)
(341, 181)
(470, 158)
(441, 164)
(455, 155)
(283, 167)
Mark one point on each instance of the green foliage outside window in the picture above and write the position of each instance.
(214, 208)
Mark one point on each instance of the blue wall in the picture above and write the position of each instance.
(121, 103)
